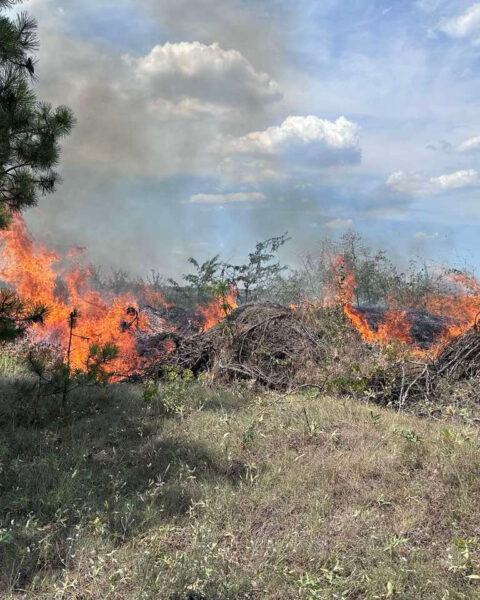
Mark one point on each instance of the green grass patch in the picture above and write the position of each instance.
(238, 495)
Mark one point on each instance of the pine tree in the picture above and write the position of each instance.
(16, 316)
(30, 130)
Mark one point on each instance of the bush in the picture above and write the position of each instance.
(170, 396)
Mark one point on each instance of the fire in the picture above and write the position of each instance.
(395, 325)
(36, 272)
(459, 310)
(153, 297)
(217, 309)
(62, 284)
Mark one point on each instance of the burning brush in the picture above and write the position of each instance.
(42, 277)
(460, 359)
(33, 272)
(145, 335)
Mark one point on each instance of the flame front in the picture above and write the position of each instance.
(395, 325)
(35, 272)
(40, 276)
(459, 310)
(216, 310)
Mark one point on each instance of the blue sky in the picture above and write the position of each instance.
(205, 126)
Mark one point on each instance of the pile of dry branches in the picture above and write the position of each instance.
(403, 383)
(408, 382)
(268, 343)
(285, 349)
(461, 358)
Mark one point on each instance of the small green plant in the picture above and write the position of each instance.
(170, 396)
(383, 502)
(313, 427)
(391, 590)
(56, 378)
(462, 560)
(249, 433)
(309, 586)
(16, 316)
(408, 434)
(394, 542)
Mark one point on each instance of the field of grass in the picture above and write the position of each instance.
(234, 494)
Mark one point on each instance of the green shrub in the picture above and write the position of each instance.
(170, 396)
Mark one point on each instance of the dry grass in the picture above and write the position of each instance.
(240, 496)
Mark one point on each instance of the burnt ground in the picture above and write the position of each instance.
(425, 326)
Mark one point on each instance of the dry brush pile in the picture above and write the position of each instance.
(273, 345)
(409, 382)
(461, 358)
(286, 349)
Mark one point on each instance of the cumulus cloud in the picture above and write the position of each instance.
(250, 27)
(195, 70)
(471, 145)
(338, 140)
(422, 235)
(338, 223)
(464, 25)
(298, 142)
(413, 183)
(406, 183)
(231, 198)
(155, 114)
(459, 179)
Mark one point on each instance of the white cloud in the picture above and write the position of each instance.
(405, 183)
(459, 179)
(250, 27)
(157, 114)
(228, 198)
(338, 139)
(297, 143)
(464, 25)
(415, 183)
(195, 70)
(338, 223)
(422, 235)
(470, 145)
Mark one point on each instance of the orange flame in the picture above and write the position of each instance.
(459, 311)
(34, 272)
(153, 297)
(41, 276)
(395, 325)
(217, 309)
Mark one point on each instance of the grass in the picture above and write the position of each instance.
(11, 364)
(238, 495)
